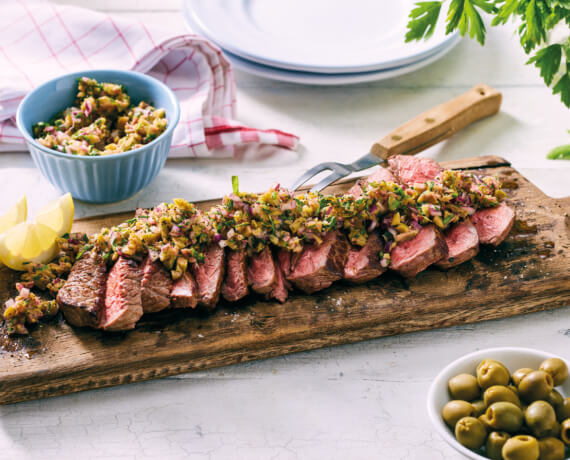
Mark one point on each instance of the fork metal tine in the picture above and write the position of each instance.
(313, 172)
(330, 179)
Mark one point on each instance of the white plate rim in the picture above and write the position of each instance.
(308, 78)
(197, 26)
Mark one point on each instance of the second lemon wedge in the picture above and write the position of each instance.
(57, 215)
(28, 242)
(16, 214)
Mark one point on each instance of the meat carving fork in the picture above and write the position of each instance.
(419, 133)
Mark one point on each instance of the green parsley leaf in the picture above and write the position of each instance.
(562, 152)
(423, 20)
(563, 86)
(548, 61)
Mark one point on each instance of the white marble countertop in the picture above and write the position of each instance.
(358, 401)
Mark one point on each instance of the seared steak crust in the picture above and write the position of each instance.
(82, 297)
(184, 293)
(412, 256)
(235, 285)
(155, 286)
(462, 244)
(320, 266)
(261, 271)
(494, 224)
(123, 303)
(209, 276)
(363, 263)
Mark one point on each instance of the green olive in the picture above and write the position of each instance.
(519, 374)
(535, 385)
(521, 447)
(554, 432)
(498, 393)
(495, 442)
(491, 372)
(514, 389)
(540, 418)
(464, 386)
(485, 421)
(455, 410)
(563, 410)
(504, 416)
(551, 449)
(479, 406)
(470, 432)
(554, 398)
(557, 369)
(565, 431)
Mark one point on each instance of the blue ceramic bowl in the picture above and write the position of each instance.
(101, 179)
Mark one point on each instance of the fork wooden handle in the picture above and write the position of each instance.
(439, 123)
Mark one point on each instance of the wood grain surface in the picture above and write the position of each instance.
(529, 272)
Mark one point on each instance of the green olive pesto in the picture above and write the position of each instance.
(102, 121)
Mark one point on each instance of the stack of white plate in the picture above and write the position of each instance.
(322, 42)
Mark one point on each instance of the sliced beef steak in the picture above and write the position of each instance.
(209, 276)
(123, 303)
(493, 224)
(320, 266)
(281, 288)
(462, 244)
(409, 169)
(184, 293)
(261, 271)
(363, 263)
(235, 285)
(381, 174)
(412, 256)
(156, 285)
(82, 296)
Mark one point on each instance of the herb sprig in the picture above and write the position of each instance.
(536, 18)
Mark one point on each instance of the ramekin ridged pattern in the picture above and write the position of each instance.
(107, 178)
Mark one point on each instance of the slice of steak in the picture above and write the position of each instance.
(381, 174)
(235, 285)
(82, 296)
(493, 224)
(184, 293)
(156, 285)
(462, 244)
(410, 169)
(261, 271)
(209, 276)
(123, 303)
(412, 256)
(281, 288)
(319, 266)
(284, 261)
(363, 263)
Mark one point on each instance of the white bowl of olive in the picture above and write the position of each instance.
(504, 404)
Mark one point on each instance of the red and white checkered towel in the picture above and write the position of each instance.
(39, 41)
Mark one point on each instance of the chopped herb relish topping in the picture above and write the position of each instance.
(101, 122)
(178, 233)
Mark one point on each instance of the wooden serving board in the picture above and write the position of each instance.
(529, 272)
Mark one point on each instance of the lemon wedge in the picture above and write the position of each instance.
(28, 242)
(57, 215)
(16, 214)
